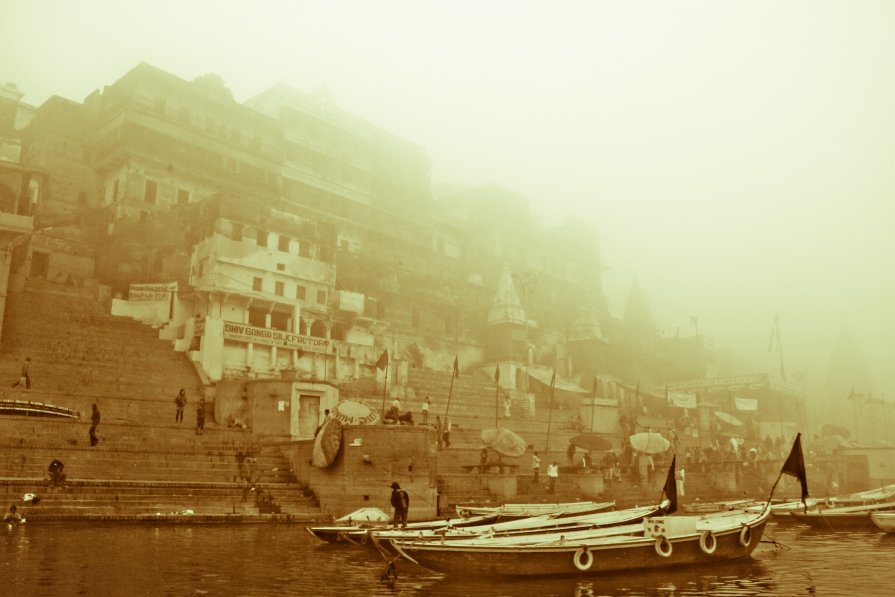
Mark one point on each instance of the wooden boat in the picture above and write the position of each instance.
(528, 510)
(841, 518)
(527, 527)
(884, 521)
(860, 498)
(660, 542)
(722, 506)
(337, 533)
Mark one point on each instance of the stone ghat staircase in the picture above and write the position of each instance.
(78, 349)
(140, 472)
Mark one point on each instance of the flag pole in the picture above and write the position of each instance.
(593, 405)
(550, 411)
(384, 384)
(455, 373)
(496, 396)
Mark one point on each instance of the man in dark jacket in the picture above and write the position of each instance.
(401, 504)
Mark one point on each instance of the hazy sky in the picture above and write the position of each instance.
(737, 157)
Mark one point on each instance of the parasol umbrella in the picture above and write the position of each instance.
(327, 444)
(349, 412)
(728, 419)
(649, 442)
(592, 442)
(503, 441)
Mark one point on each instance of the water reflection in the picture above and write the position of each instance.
(275, 560)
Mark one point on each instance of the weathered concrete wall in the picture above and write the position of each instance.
(370, 459)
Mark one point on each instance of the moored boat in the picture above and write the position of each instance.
(534, 509)
(842, 518)
(885, 521)
(347, 532)
(659, 542)
(521, 529)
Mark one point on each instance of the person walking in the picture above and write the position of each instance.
(25, 379)
(425, 410)
(180, 401)
(535, 468)
(552, 475)
(200, 416)
(401, 504)
(94, 423)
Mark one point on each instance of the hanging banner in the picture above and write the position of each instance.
(241, 332)
(682, 400)
(746, 404)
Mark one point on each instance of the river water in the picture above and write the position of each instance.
(282, 559)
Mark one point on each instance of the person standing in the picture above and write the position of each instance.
(438, 431)
(200, 416)
(425, 409)
(94, 423)
(552, 475)
(180, 401)
(401, 504)
(535, 468)
(12, 516)
(506, 406)
(25, 379)
(679, 481)
(446, 434)
(570, 453)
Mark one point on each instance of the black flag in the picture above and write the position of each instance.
(670, 489)
(795, 466)
(382, 363)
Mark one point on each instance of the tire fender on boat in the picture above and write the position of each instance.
(746, 535)
(708, 543)
(587, 563)
(663, 546)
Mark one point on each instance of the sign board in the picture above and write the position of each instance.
(151, 292)
(241, 332)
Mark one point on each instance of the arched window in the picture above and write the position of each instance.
(318, 329)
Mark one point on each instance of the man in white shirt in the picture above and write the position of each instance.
(535, 467)
(552, 475)
(426, 411)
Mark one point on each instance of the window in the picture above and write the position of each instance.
(300, 293)
(236, 231)
(279, 289)
(283, 243)
(281, 267)
(304, 248)
(257, 284)
(321, 297)
(183, 196)
(150, 192)
(262, 238)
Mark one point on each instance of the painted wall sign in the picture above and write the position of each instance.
(241, 332)
(151, 292)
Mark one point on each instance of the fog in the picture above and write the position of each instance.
(735, 157)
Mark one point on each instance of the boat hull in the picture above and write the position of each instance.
(634, 553)
(885, 521)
